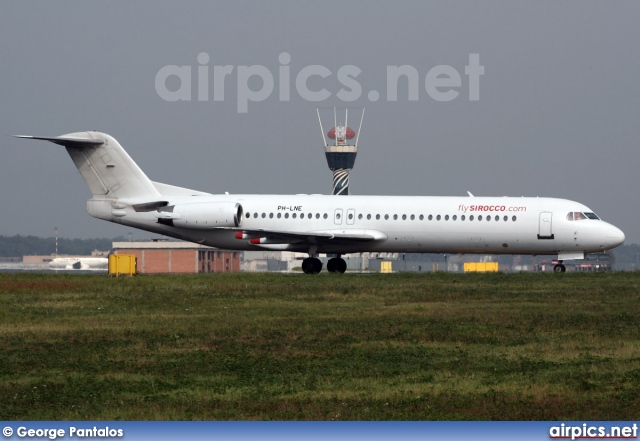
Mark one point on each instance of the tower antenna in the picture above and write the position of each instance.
(341, 153)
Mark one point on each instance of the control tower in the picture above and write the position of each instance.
(340, 148)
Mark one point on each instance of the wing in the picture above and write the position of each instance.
(320, 237)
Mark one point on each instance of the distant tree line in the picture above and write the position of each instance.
(15, 246)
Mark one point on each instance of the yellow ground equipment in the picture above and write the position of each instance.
(122, 264)
(481, 267)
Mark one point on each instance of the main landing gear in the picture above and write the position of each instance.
(313, 265)
(336, 265)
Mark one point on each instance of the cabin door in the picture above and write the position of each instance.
(545, 226)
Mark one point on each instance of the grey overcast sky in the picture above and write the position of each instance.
(557, 113)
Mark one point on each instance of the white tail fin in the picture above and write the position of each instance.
(105, 166)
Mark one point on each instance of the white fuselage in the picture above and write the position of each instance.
(79, 263)
(488, 225)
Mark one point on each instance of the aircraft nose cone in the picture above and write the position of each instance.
(615, 236)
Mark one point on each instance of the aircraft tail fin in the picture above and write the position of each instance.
(105, 166)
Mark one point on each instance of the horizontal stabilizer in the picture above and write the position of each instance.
(67, 141)
(150, 206)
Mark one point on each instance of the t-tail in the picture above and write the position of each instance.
(113, 178)
(105, 166)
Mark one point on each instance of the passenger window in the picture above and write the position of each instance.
(360, 216)
(463, 217)
(248, 215)
(404, 217)
(422, 217)
(430, 217)
(325, 215)
(480, 217)
(368, 217)
(255, 215)
(350, 215)
(395, 217)
(413, 217)
(264, 215)
(286, 215)
(514, 218)
(386, 217)
(377, 217)
(471, 217)
(270, 215)
(279, 215)
(446, 217)
(317, 215)
(497, 218)
(294, 215)
(506, 218)
(301, 215)
(438, 217)
(455, 217)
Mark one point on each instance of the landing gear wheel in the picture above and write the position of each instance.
(559, 268)
(336, 265)
(311, 265)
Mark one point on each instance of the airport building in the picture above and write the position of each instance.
(45, 259)
(164, 256)
(288, 261)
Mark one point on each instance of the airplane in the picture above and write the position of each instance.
(79, 263)
(335, 225)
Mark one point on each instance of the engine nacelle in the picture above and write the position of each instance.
(205, 215)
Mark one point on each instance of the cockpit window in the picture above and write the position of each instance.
(576, 215)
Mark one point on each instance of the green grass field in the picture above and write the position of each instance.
(328, 347)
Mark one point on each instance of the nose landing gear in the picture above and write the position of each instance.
(559, 268)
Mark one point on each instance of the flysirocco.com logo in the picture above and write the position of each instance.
(257, 83)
